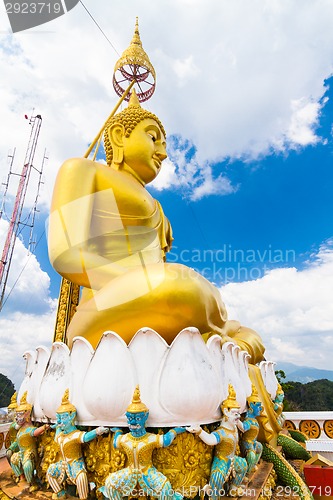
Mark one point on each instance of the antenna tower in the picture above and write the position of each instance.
(15, 221)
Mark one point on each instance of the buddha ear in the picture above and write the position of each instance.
(116, 135)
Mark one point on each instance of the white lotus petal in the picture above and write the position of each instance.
(42, 358)
(214, 345)
(244, 357)
(238, 382)
(271, 380)
(110, 380)
(149, 351)
(189, 389)
(28, 383)
(56, 380)
(231, 370)
(80, 358)
(263, 369)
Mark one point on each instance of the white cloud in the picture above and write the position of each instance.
(234, 78)
(167, 177)
(291, 309)
(185, 70)
(21, 332)
(25, 280)
(304, 119)
(28, 316)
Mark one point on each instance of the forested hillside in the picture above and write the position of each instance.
(313, 396)
(6, 390)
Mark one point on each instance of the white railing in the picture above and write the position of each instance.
(315, 424)
(4, 428)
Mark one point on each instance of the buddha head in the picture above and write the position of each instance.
(134, 141)
(66, 414)
(137, 415)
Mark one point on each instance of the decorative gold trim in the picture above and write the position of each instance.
(67, 304)
(186, 463)
(311, 428)
(328, 428)
(289, 425)
(135, 54)
(48, 453)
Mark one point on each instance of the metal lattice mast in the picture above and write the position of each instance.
(15, 218)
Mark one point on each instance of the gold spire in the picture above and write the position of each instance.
(66, 406)
(254, 398)
(24, 405)
(231, 401)
(136, 37)
(135, 54)
(134, 101)
(137, 406)
(13, 402)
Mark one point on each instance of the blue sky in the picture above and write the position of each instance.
(248, 182)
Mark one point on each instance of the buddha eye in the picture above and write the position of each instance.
(152, 135)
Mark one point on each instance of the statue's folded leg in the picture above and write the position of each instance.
(164, 297)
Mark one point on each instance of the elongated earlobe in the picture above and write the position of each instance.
(118, 155)
(116, 137)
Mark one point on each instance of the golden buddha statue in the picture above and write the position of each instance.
(110, 236)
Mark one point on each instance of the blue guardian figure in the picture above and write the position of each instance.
(138, 446)
(250, 446)
(71, 468)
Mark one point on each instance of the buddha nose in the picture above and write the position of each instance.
(161, 153)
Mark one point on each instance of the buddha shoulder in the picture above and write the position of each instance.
(78, 172)
(78, 177)
(82, 174)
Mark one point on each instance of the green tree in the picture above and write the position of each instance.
(313, 396)
(7, 389)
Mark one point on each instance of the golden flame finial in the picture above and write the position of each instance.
(231, 401)
(137, 406)
(13, 402)
(24, 405)
(254, 398)
(66, 406)
(136, 37)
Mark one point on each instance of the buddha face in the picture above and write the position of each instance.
(144, 150)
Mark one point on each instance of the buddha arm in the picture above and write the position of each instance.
(69, 227)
